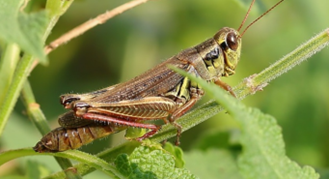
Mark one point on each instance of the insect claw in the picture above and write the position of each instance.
(139, 139)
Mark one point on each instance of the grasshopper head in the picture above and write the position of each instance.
(229, 41)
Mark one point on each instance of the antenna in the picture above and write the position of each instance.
(246, 16)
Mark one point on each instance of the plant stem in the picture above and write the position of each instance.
(37, 117)
(8, 63)
(100, 19)
(33, 109)
(294, 58)
(21, 73)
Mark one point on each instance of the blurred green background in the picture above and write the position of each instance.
(138, 39)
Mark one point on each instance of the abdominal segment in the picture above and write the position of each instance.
(62, 139)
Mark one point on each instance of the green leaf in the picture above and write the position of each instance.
(131, 170)
(177, 153)
(23, 29)
(132, 133)
(212, 164)
(150, 162)
(122, 164)
(263, 147)
(264, 153)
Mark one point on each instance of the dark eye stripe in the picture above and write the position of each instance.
(212, 54)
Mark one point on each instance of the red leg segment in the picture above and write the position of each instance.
(97, 117)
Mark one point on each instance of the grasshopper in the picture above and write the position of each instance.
(159, 93)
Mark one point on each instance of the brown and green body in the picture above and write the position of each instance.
(62, 139)
(78, 132)
(159, 93)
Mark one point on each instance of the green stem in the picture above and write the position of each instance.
(33, 109)
(108, 155)
(8, 63)
(87, 159)
(300, 54)
(294, 58)
(37, 117)
(83, 168)
(21, 73)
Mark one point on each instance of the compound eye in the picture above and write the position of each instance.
(69, 101)
(66, 101)
(231, 41)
